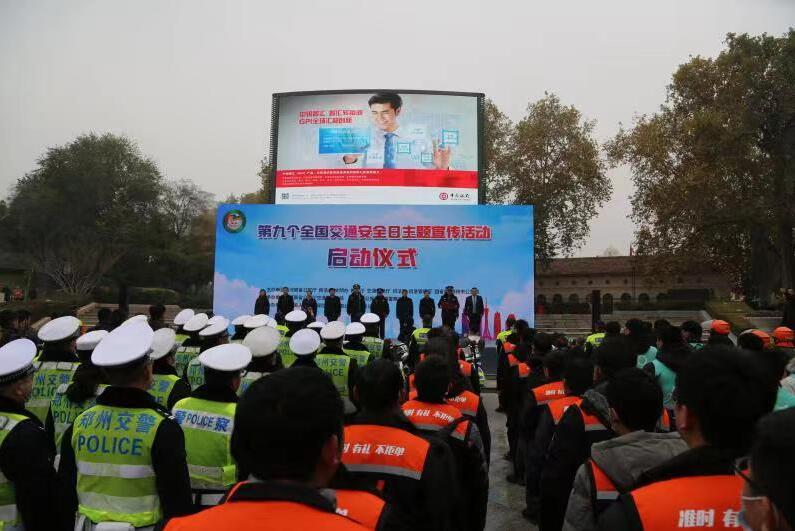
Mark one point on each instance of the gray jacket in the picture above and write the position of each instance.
(623, 459)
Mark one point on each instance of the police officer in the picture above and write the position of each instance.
(240, 330)
(356, 305)
(304, 344)
(332, 305)
(416, 474)
(56, 364)
(291, 463)
(28, 487)
(191, 347)
(354, 347)
(71, 399)
(167, 387)
(380, 306)
(296, 320)
(256, 321)
(317, 326)
(179, 321)
(207, 418)
(123, 460)
(418, 339)
(371, 338)
(596, 338)
(262, 342)
(216, 333)
(335, 362)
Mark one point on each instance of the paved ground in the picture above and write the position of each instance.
(506, 500)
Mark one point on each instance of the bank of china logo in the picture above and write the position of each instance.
(234, 221)
(443, 196)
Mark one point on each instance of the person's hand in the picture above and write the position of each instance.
(441, 156)
(350, 159)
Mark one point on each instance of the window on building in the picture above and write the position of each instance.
(643, 298)
(626, 281)
(557, 283)
(607, 281)
(590, 282)
(541, 299)
(626, 297)
(574, 298)
(557, 298)
(661, 297)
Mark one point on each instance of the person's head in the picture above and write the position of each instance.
(263, 293)
(578, 376)
(404, 293)
(542, 343)
(378, 386)
(474, 291)
(751, 342)
(117, 317)
(156, 312)
(768, 495)
(692, 331)
(384, 109)
(356, 288)
(103, 315)
(426, 294)
(554, 365)
(598, 327)
(634, 327)
(432, 379)
(669, 337)
(285, 290)
(612, 329)
(773, 361)
(137, 374)
(222, 380)
(288, 426)
(309, 294)
(612, 356)
(448, 290)
(332, 291)
(659, 324)
(635, 399)
(720, 395)
(19, 390)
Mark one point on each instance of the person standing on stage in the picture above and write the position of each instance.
(356, 304)
(473, 309)
(380, 307)
(404, 309)
(450, 306)
(284, 305)
(262, 306)
(427, 305)
(309, 306)
(332, 306)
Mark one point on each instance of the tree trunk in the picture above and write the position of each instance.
(764, 267)
(787, 250)
(124, 297)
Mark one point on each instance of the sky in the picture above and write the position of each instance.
(191, 81)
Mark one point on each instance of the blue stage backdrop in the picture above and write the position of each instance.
(391, 247)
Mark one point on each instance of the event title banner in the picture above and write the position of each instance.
(416, 248)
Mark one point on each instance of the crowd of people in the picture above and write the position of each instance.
(256, 424)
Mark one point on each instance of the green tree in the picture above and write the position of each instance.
(87, 206)
(181, 203)
(551, 160)
(262, 195)
(714, 169)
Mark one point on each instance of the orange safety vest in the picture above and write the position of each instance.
(435, 417)
(524, 370)
(605, 491)
(508, 347)
(383, 450)
(411, 383)
(466, 368)
(360, 506)
(665, 420)
(467, 403)
(558, 408)
(512, 360)
(546, 393)
(697, 502)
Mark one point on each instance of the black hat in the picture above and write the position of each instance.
(379, 290)
(357, 286)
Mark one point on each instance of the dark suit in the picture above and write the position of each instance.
(284, 305)
(332, 308)
(474, 312)
(427, 307)
(380, 307)
(262, 305)
(356, 306)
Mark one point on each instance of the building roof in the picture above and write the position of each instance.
(600, 265)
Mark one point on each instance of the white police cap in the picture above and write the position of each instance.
(124, 345)
(370, 318)
(136, 318)
(163, 343)
(354, 329)
(240, 320)
(271, 322)
(217, 319)
(16, 360)
(296, 316)
(316, 325)
(304, 342)
(59, 329)
(333, 330)
(90, 340)
(196, 323)
(228, 357)
(183, 316)
(217, 328)
(262, 341)
(256, 321)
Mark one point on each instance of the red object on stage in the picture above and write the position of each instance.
(497, 323)
(377, 177)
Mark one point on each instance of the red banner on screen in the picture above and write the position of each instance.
(376, 177)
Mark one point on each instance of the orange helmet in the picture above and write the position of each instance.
(720, 327)
(785, 337)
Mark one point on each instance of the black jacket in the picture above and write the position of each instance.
(310, 304)
(332, 307)
(427, 307)
(449, 304)
(262, 305)
(380, 306)
(168, 454)
(404, 308)
(356, 304)
(26, 459)
(703, 461)
(434, 501)
(476, 309)
(285, 304)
